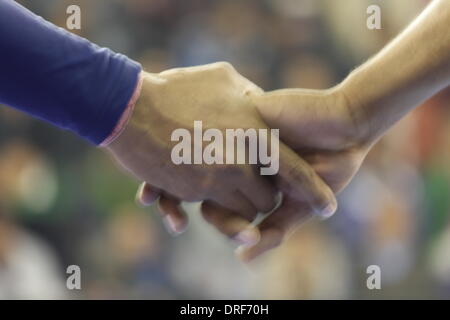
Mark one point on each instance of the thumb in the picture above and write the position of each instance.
(299, 180)
(285, 104)
(306, 118)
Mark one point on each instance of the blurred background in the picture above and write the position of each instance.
(63, 202)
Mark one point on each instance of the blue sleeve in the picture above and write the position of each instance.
(60, 77)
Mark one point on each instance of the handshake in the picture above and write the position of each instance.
(304, 145)
(179, 137)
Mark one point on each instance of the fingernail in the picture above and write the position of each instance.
(328, 211)
(172, 226)
(248, 237)
(240, 254)
(138, 198)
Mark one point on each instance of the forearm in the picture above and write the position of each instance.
(411, 69)
(60, 77)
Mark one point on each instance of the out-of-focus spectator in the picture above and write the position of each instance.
(28, 267)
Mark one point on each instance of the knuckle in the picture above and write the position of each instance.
(253, 90)
(225, 70)
(226, 66)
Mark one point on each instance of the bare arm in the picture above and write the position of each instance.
(334, 129)
(411, 69)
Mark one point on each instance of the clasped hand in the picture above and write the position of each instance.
(321, 147)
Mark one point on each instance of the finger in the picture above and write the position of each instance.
(260, 192)
(276, 228)
(236, 202)
(174, 218)
(299, 180)
(230, 223)
(147, 194)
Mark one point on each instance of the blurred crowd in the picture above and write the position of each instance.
(63, 202)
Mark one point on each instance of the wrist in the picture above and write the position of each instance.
(126, 114)
(139, 120)
(358, 107)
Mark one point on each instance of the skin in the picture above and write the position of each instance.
(333, 130)
(221, 98)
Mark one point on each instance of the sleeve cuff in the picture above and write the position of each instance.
(125, 117)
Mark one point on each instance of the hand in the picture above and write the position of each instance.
(334, 129)
(334, 133)
(221, 98)
(324, 129)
